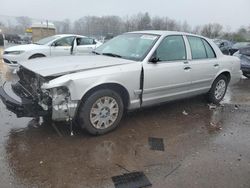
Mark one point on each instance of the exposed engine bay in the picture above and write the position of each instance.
(54, 103)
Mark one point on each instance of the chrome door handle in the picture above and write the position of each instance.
(216, 65)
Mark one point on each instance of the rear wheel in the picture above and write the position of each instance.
(101, 112)
(218, 89)
(246, 74)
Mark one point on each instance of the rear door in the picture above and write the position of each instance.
(204, 63)
(84, 45)
(169, 78)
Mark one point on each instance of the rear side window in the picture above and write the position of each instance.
(85, 41)
(197, 48)
(172, 48)
(209, 49)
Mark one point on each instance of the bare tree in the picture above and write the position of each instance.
(24, 22)
(158, 23)
(143, 21)
(212, 30)
(186, 27)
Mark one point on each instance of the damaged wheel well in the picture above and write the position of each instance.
(112, 86)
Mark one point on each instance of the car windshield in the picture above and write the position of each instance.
(46, 40)
(132, 46)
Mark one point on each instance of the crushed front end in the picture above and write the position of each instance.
(26, 98)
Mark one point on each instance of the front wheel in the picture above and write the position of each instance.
(218, 89)
(101, 112)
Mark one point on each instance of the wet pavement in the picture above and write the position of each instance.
(203, 147)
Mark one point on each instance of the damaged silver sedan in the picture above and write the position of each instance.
(130, 71)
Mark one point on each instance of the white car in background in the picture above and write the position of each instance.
(57, 45)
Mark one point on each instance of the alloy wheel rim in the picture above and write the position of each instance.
(104, 112)
(220, 89)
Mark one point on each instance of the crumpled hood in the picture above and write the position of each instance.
(57, 66)
(25, 47)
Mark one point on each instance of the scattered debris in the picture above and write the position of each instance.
(41, 162)
(215, 126)
(212, 106)
(131, 180)
(156, 143)
(184, 113)
(236, 107)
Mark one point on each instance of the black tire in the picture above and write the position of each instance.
(211, 94)
(84, 111)
(246, 74)
(36, 56)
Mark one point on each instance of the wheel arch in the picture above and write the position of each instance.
(37, 54)
(225, 73)
(120, 89)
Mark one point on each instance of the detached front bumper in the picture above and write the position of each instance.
(22, 107)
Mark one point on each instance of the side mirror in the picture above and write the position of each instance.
(54, 44)
(154, 60)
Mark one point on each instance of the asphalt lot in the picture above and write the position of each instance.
(202, 147)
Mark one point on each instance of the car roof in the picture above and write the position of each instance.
(164, 33)
(69, 35)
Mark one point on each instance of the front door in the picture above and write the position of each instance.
(62, 47)
(169, 77)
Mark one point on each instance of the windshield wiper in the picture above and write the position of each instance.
(112, 55)
(94, 52)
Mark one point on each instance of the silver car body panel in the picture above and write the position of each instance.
(163, 81)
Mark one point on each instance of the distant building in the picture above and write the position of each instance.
(41, 30)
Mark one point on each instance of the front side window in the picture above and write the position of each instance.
(172, 48)
(197, 48)
(46, 40)
(132, 46)
(66, 41)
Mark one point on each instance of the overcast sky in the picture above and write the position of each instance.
(196, 12)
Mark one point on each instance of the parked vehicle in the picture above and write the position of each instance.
(1, 40)
(57, 45)
(238, 46)
(224, 45)
(130, 71)
(244, 55)
(13, 38)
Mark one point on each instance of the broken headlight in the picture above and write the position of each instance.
(60, 95)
